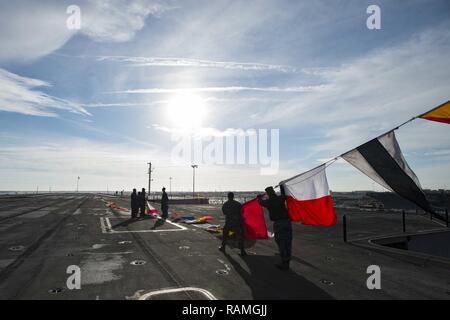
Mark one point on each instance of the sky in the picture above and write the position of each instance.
(101, 101)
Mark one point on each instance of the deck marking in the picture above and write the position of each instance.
(227, 267)
(206, 293)
(113, 253)
(106, 227)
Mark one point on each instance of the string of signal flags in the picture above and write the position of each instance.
(308, 196)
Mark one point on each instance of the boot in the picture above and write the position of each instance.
(222, 248)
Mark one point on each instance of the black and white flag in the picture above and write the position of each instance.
(382, 160)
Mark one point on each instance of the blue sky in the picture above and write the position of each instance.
(93, 102)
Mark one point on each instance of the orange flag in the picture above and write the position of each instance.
(439, 114)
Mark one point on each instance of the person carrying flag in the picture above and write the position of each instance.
(233, 220)
(282, 226)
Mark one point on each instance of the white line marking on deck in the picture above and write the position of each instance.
(106, 227)
(206, 293)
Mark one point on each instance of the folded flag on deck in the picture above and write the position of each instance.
(254, 222)
(308, 198)
(151, 210)
(382, 160)
(439, 114)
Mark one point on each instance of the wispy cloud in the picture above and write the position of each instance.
(57, 163)
(117, 20)
(401, 80)
(298, 89)
(199, 132)
(210, 99)
(18, 94)
(374, 92)
(101, 21)
(188, 62)
(124, 104)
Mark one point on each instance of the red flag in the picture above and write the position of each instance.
(254, 222)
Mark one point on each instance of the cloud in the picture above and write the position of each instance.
(57, 163)
(372, 93)
(200, 132)
(30, 29)
(18, 94)
(298, 89)
(210, 99)
(26, 163)
(188, 62)
(362, 98)
(116, 20)
(124, 104)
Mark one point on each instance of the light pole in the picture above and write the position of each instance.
(78, 179)
(149, 179)
(170, 187)
(193, 179)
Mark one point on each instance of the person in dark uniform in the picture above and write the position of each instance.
(164, 204)
(134, 204)
(142, 203)
(233, 220)
(139, 200)
(282, 227)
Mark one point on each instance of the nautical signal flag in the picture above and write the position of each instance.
(308, 198)
(439, 114)
(382, 160)
(254, 222)
(151, 210)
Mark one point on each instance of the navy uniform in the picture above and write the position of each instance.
(233, 220)
(134, 204)
(142, 203)
(164, 204)
(282, 226)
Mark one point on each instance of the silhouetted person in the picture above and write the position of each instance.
(233, 220)
(134, 204)
(139, 197)
(164, 204)
(142, 201)
(282, 226)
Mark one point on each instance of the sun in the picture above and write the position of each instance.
(186, 110)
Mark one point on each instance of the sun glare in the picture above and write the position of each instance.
(186, 110)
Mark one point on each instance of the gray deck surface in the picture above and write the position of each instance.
(42, 235)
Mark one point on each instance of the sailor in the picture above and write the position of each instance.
(282, 226)
(233, 220)
(134, 204)
(164, 204)
(142, 203)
